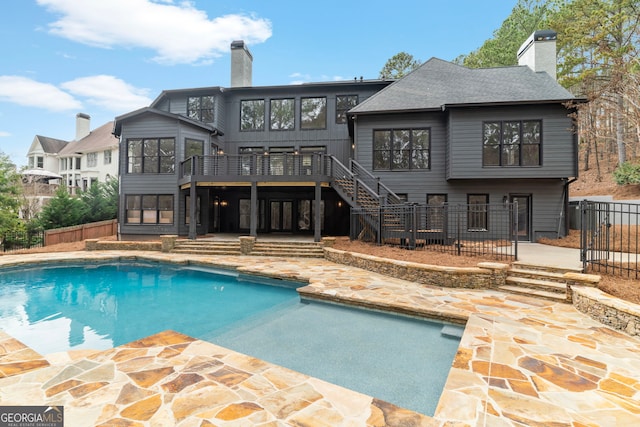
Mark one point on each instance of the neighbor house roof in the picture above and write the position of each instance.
(437, 84)
(51, 145)
(117, 124)
(99, 139)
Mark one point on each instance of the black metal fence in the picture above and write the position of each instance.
(609, 238)
(472, 230)
(18, 240)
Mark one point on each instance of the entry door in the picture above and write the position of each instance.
(524, 215)
(281, 212)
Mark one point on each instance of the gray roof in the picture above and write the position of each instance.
(117, 124)
(99, 139)
(51, 145)
(437, 84)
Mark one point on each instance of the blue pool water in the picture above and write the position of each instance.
(401, 360)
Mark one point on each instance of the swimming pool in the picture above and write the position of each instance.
(61, 307)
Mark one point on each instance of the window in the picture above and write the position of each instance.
(309, 155)
(313, 113)
(193, 147)
(63, 164)
(282, 114)
(152, 155)
(251, 160)
(92, 160)
(401, 149)
(200, 108)
(511, 143)
(343, 104)
(40, 162)
(477, 212)
(281, 161)
(252, 115)
(78, 162)
(436, 212)
(149, 209)
(107, 157)
(187, 210)
(245, 214)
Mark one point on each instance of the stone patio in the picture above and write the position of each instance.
(521, 361)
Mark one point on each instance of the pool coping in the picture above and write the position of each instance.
(509, 345)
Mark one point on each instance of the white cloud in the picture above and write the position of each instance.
(4, 134)
(178, 33)
(108, 92)
(31, 93)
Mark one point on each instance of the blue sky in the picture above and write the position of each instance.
(108, 57)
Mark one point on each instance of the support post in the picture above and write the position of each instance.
(193, 205)
(317, 229)
(253, 222)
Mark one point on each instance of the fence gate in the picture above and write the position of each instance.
(609, 240)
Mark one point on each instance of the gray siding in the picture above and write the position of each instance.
(413, 183)
(465, 142)
(152, 126)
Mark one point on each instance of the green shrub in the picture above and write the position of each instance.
(627, 173)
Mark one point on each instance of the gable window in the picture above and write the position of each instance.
(107, 157)
(193, 147)
(511, 143)
(252, 115)
(282, 115)
(343, 104)
(313, 113)
(477, 212)
(200, 108)
(151, 155)
(149, 209)
(92, 160)
(401, 149)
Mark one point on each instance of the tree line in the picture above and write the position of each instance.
(597, 53)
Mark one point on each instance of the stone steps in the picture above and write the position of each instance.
(285, 249)
(545, 282)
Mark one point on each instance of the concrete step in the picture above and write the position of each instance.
(536, 293)
(205, 251)
(521, 265)
(538, 274)
(540, 284)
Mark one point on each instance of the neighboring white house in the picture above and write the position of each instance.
(91, 157)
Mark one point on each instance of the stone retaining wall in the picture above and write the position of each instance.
(485, 276)
(118, 245)
(610, 311)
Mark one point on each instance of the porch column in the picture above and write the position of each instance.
(317, 229)
(193, 202)
(192, 210)
(253, 231)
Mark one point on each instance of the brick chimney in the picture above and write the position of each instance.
(538, 52)
(241, 64)
(83, 125)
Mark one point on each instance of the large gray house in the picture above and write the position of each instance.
(296, 158)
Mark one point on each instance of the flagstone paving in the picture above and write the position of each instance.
(521, 362)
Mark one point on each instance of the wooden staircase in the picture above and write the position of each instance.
(284, 249)
(538, 281)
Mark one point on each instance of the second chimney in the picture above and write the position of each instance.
(538, 52)
(83, 125)
(241, 64)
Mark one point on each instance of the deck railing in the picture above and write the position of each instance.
(295, 165)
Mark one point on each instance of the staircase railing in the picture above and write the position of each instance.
(341, 174)
(385, 194)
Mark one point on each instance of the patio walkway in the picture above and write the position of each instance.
(521, 361)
